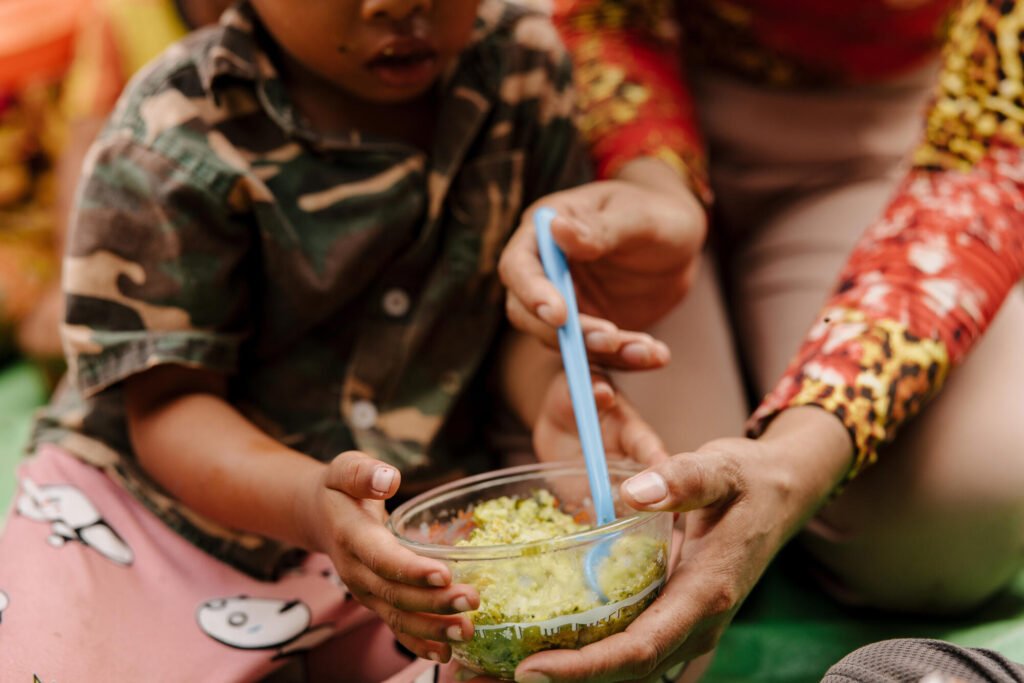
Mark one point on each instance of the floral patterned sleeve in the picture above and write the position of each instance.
(630, 85)
(927, 279)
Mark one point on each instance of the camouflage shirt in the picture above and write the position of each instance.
(346, 284)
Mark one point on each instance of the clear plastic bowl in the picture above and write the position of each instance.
(535, 596)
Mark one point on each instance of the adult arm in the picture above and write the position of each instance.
(927, 279)
(633, 97)
(918, 291)
(633, 239)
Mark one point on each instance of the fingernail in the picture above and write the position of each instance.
(532, 677)
(461, 604)
(454, 632)
(600, 341)
(647, 488)
(382, 479)
(437, 579)
(636, 354)
(662, 353)
(434, 657)
(546, 313)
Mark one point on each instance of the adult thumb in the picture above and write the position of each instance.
(686, 481)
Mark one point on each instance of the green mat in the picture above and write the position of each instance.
(787, 632)
(22, 390)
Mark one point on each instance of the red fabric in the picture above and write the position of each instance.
(928, 278)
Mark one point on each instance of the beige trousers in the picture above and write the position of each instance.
(938, 524)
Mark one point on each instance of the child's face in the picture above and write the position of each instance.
(383, 51)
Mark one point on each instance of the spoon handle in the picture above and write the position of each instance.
(577, 369)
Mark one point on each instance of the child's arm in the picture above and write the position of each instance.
(210, 457)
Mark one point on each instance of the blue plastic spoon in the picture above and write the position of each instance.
(577, 372)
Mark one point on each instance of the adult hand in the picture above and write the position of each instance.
(743, 499)
(414, 595)
(624, 433)
(633, 250)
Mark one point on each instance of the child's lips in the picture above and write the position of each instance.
(404, 62)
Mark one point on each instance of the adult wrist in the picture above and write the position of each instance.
(655, 174)
(814, 445)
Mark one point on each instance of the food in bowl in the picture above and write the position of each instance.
(521, 537)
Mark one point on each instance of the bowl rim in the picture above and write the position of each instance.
(493, 552)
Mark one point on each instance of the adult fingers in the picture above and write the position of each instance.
(578, 239)
(361, 476)
(522, 273)
(526, 321)
(687, 481)
(610, 346)
(641, 351)
(606, 344)
(666, 633)
(521, 269)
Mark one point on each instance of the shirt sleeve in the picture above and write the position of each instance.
(155, 270)
(926, 280)
(633, 97)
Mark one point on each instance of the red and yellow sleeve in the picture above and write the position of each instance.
(927, 279)
(631, 89)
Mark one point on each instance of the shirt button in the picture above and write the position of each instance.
(451, 382)
(396, 302)
(363, 414)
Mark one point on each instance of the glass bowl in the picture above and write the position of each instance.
(534, 596)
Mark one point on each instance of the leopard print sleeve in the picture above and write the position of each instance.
(927, 279)
(631, 88)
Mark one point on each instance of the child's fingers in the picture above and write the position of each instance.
(452, 599)
(360, 476)
(425, 649)
(639, 440)
(443, 629)
(604, 393)
(376, 548)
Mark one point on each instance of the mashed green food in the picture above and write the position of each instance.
(541, 600)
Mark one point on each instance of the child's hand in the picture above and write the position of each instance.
(345, 519)
(624, 432)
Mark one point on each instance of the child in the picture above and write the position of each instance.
(284, 249)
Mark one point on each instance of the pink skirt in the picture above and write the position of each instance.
(93, 587)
